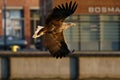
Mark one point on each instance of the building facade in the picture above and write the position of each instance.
(97, 22)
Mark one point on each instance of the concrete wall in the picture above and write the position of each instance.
(100, 67)
(46, 67)
(33, 65)
(43, 67)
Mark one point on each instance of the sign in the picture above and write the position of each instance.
(103, 9)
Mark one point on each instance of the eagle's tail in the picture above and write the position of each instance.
(61, 53)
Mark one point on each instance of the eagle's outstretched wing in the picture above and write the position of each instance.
(53, 38)
(60, 13)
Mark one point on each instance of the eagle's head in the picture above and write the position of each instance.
(38, 32)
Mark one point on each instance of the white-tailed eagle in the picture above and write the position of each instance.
(54, 27)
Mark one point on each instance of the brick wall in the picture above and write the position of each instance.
(84, 4)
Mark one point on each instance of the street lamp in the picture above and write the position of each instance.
(4, 13)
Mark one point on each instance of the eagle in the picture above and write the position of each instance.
(52, 31)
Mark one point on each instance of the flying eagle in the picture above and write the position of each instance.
(54, 27)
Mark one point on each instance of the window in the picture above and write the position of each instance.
(89, 30)
(110, 28)
(14, 23)
(94, 32)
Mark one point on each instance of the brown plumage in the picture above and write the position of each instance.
(53, 30)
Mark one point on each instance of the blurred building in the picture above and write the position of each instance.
(98, 22)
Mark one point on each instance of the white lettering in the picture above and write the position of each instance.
(111, 9)
(104, 9)
(91, 10)
(117, 9)
(97, 9)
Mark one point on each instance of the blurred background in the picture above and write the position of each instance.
(95, 38)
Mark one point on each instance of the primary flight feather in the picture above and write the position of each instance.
(54, 27)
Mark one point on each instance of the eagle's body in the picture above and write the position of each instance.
(54, 27)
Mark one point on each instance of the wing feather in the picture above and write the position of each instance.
(61, 12)
(70, 5)
(74, 6)
(66, 6)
